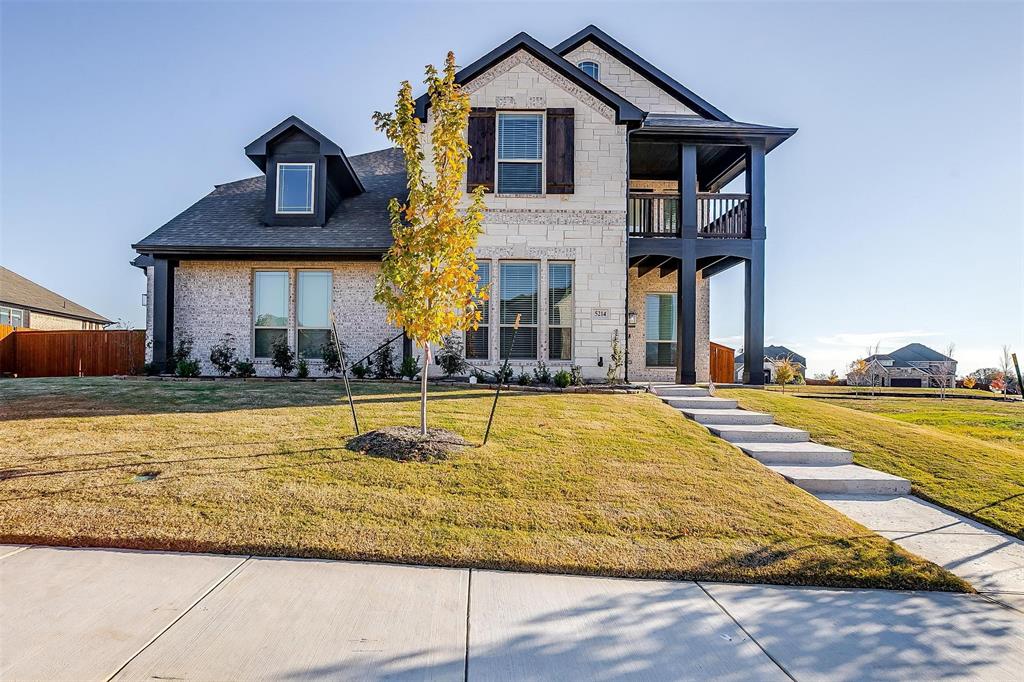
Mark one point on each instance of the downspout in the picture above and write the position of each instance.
(625, 312)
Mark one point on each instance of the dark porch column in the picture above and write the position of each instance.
(686, 296)
(163, 313)
(753, 319)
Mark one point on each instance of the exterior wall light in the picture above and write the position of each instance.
(631, 318)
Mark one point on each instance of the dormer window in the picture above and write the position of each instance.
(592, 69)
(295, 188)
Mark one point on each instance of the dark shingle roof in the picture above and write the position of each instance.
(230, 218)
(776, 353)
(912, 352)
(24, 293)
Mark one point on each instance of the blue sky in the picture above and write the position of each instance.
(895, 214)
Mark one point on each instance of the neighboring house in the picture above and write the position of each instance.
(605, 212)
(25, 304)
(913, 365)
(773, 355)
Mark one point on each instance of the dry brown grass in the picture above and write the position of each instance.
(601, 484)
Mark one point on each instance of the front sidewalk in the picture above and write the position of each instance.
(101, 614)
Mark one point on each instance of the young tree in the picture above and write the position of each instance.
(428, 279)
(858, 372)
(969, 381)
(786, 370)
(833, 378)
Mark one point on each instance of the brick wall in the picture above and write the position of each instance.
(55, 323)
(651, 283)
(212, 298)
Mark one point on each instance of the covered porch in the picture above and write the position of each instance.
(684, 229)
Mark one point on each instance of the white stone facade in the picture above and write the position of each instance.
(627, 83)
(212, 298)
(586, 228)
(652, 283)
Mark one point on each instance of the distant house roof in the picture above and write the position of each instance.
(643, 67)
(230, 218)
(912, 352)
(625, 111)
(18, 291)
(776, 353)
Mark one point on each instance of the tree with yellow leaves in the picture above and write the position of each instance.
(428, 280)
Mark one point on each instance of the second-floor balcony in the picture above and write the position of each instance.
(721, 216)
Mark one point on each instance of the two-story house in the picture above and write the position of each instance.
(605, 213)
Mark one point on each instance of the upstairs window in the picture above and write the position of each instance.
(520, 153)
(592, 69)
(295, 188)
(313, 312)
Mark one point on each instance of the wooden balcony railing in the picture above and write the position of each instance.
(723, 216)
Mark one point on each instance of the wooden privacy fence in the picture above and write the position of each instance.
(723, 361)
(37, 353)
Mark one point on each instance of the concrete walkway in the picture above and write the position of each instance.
(92, 614)
(991, 561)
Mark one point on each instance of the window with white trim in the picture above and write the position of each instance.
(560, 307)
(520, 153)
(295, 188)
(312, 312)
(14, 317)
(519, 296)
(660, 329)
(591, 68)
(478, 341)
(269, 311)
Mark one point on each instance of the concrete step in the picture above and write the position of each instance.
(843, 478)
(714, 416)
(796, 453)
(678, 390)
(764, 433)
(703, 402)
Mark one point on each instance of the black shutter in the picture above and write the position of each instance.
(560, 151)
(480, 168)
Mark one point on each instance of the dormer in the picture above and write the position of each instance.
(307, 174)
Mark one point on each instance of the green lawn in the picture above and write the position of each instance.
(967, 455)
(600, 484)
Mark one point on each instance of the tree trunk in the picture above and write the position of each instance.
(423, 389)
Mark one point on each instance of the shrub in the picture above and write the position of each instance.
(617, 359)
(451, 356)
(282, 357)
(480, 375)
(410, 367)
(330, 355)
(359, 370)
(504, 374)
(187, 368)
(384, 363)
(222, 355)
(541, 373)
(562, 378)
(524, 379)
(183, 349)
(150, 369)
(243, 369)
(576, 375)
(303, 369)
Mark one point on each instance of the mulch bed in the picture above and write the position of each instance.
(405, 444)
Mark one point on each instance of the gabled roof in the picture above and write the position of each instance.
(776, 353)
(24, 293)
(625, 111)
(643, 67)
(912, 352)
(229, 220)
(257, 149)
